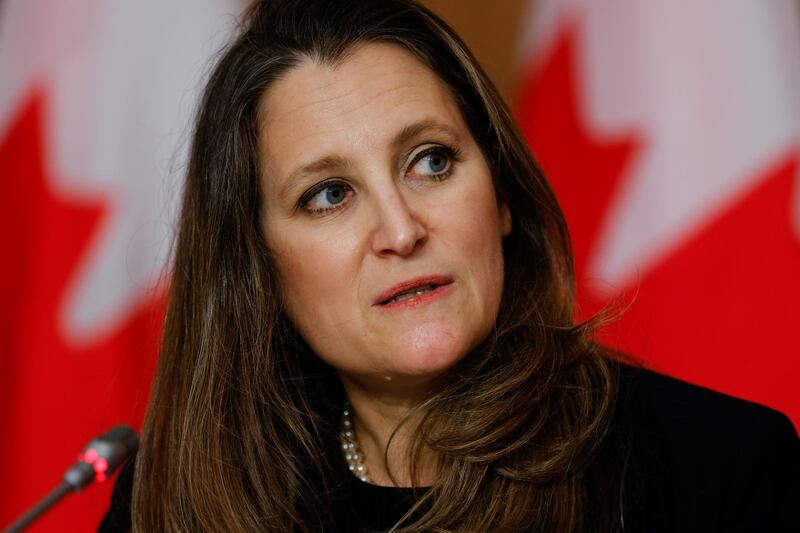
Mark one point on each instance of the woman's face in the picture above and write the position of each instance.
(381, 215)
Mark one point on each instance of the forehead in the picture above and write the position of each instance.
(360, 103)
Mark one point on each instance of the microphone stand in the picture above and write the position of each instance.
(99, 459)
(39, 509)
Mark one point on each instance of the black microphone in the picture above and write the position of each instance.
(99, 459)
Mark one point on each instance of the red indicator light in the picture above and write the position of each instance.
(100, 466)
(90, 456)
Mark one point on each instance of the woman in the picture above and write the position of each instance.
(372, 277)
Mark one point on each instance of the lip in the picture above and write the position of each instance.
(443, 286)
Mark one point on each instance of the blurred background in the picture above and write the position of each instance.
(670, 132)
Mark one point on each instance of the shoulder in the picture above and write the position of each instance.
(707, 456)
(677, 404)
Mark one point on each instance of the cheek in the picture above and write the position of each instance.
(316, 276)
(487, 266)
(476, 232)
(471, 229)
(485, 249)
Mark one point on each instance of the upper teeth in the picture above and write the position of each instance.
(416, 291)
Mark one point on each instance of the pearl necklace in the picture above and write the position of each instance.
(350, 449)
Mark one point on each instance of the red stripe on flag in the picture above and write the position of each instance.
(720, 309)
(56, 396)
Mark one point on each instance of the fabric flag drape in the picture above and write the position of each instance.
(95, 102)
(671, 134)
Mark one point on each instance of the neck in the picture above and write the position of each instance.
(375, 415)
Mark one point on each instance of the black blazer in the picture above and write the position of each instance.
(699, 461)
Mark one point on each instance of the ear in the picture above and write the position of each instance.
(505, 218)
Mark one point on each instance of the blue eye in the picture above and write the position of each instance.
(434, 162)
(325, 197)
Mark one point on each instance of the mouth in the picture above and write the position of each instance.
(414, 291)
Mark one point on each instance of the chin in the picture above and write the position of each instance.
(430, 352)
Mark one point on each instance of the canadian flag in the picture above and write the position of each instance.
(95, 106)
(671, 134)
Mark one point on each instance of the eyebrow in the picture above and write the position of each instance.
(333, 161)
(416, 129)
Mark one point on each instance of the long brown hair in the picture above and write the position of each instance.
(241, 430)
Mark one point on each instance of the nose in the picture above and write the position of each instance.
(398, 230)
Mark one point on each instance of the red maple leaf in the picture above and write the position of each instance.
(56, 396)
(583, 170)
(720, 309)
